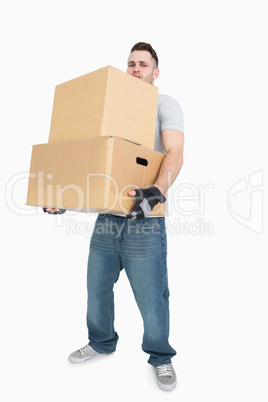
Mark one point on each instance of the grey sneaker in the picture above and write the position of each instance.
(83, 354)
(166, 377)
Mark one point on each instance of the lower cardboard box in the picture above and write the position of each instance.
(91, 175)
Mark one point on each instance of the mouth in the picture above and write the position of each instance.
(137, 76)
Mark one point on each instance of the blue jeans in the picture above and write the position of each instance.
(140, 248)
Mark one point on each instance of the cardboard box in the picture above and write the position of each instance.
(91, 175)
(106, 102)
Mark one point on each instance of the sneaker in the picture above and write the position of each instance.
(166, 377)
(83, 354)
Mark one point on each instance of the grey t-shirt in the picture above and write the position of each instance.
(169, 116)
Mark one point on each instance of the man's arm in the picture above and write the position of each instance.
(173, 142)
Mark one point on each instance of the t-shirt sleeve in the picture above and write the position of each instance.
(171, 115)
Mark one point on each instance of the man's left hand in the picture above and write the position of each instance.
(146, 200)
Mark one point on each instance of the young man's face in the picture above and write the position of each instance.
(142, 65)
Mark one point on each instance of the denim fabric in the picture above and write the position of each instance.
(140, 248)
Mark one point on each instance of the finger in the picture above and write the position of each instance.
(55, 210)
(132, 193)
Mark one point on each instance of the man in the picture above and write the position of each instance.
(137, 243)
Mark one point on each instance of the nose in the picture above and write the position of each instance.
(137, 69)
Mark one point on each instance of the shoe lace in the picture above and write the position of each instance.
(164, 370)
(85, 349)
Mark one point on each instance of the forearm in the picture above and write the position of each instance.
(168, 172)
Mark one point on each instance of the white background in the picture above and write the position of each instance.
(213, 60)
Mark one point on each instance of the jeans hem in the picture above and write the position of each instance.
(160, 364)
(100, 351)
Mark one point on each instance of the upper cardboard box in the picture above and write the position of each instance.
(106, 102)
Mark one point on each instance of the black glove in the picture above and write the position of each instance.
(61, 211)
(146, 200)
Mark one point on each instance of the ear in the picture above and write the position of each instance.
(156, 74)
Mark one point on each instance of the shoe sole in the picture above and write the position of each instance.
(165, 387)
(78, 361)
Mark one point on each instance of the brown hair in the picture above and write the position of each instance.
(148, 47)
